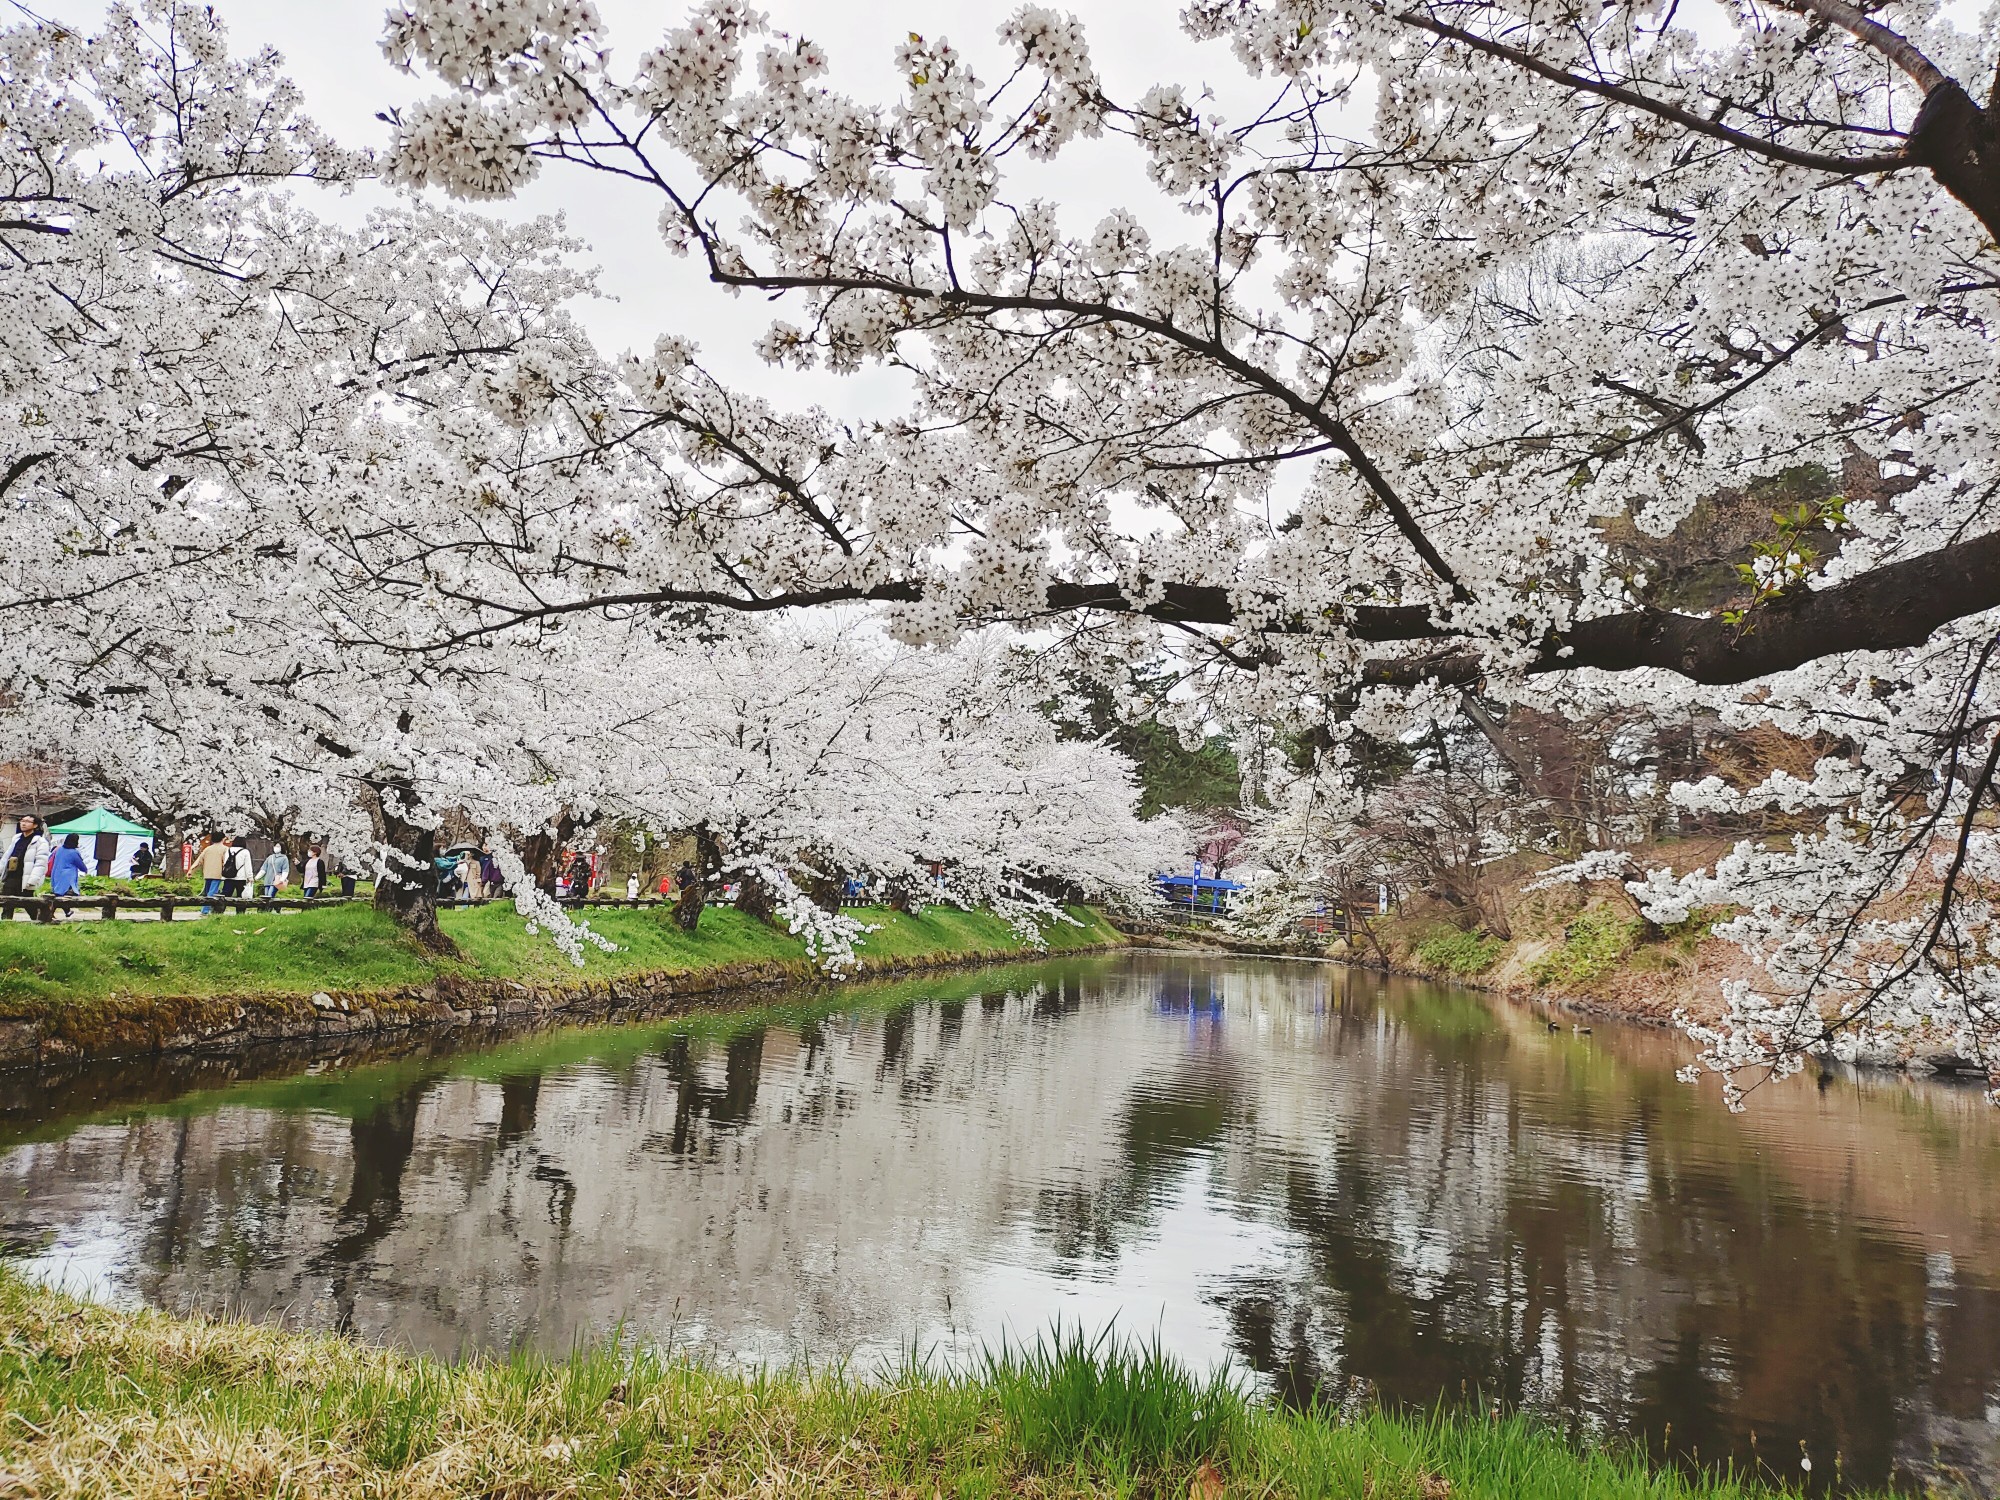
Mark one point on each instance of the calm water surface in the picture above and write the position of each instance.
(1339, 1183)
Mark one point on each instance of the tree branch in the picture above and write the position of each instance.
(1820, 161)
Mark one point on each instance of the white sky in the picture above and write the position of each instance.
(331, 49)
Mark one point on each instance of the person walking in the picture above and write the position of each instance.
(632, 887)
(468, 876)
(67, 867)
(489, 873)
(27, 862)
(142, 861)
(236, 870)
(312, 874)
(210, 866)
(274, 872)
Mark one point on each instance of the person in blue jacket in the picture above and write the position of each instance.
(66, 871)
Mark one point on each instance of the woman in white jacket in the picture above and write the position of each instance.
(25, 867)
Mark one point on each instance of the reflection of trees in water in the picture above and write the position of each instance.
(1447, 1205)
(1564, 1235)
(696, 1103)
(1167, 1120)
(381, 1141)
(895, 1040)
(1053, 1001)
(519, 1093)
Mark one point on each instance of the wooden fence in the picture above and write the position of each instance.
(44, 906)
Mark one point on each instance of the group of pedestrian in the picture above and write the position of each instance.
(31, 859)
(475, 876)
(224, 864)
(226, 871)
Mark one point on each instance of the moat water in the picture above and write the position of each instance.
(1341, 1184)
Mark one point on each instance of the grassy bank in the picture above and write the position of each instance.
(1579, 945)
(353, 948)
(99, 1403)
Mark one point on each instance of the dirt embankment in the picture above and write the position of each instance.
(60, 1032)
(1584, 949)
(1587, 950)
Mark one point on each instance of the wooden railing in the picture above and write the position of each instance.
(44, 905)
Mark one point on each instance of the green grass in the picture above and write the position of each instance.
(1596, 942)
(496, 943)
(102, 1403)
(337, 948)
(352, 947)
(1105, 1407)
(1456, 952)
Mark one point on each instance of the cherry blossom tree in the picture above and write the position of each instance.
(1466, 284)
(258, 454)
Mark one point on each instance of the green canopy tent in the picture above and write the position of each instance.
(107, 840)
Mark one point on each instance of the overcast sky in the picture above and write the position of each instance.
(331, 49)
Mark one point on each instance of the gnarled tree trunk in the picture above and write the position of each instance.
(541, 853)
(753, 898)
(827, 888)
(700, 871)
(408, 892)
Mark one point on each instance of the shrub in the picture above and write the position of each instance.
(1457, 952)
(1595, 942)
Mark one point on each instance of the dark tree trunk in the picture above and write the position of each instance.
(409, 890)
(753, 898)
(693, 894)
(1960, 143)
(541, 853)
(827, 889)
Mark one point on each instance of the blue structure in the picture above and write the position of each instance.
(1197, 892)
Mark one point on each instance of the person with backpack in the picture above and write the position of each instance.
(237, 868)
(27, 863)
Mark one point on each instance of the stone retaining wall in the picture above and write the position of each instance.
(146, 1025)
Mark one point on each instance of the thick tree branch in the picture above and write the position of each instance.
(1896, 605)
(1953, 138)
(1819, 161)
(21, 466)
(1898, 49)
